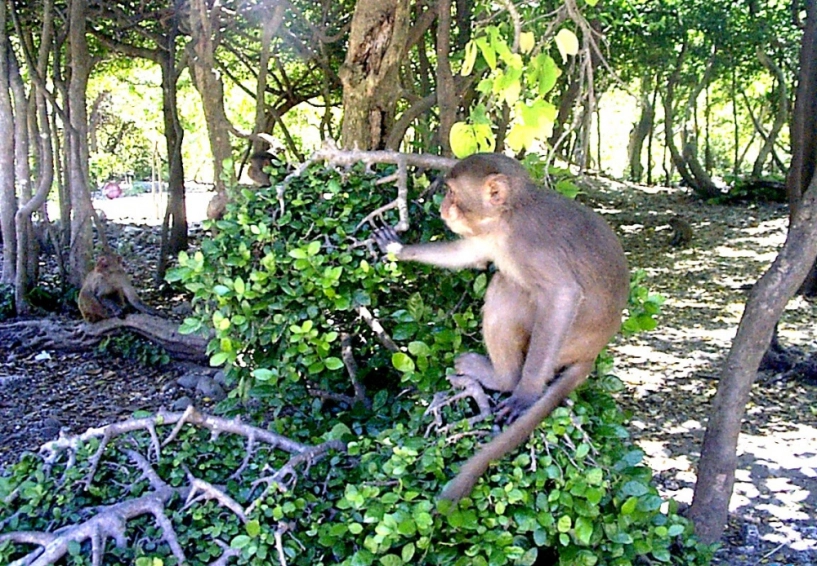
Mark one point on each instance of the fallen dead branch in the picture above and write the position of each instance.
(101, 523)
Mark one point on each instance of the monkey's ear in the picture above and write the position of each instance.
(497, 189)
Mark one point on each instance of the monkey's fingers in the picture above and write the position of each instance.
(387, 239)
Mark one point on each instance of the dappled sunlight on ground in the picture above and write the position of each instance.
(672, 373)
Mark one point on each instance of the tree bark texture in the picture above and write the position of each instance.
(716, 469)
(8, 201)
(207, 80)
(370, 73)
(804, 128)
(174, 228)
(77, 141)
(641, 130)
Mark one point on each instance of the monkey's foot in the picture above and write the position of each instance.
(513, 407)
(473, 389)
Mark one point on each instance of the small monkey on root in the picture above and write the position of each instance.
(553, 304)
(107, 291)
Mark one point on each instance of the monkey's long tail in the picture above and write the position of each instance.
(516, 433)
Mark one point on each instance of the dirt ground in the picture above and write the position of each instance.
(670, 373)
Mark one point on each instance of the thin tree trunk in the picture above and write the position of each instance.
(174, 227)
(716, 469)
(804, 128)
(8, 200)
(447, 98)
(780, 116)
(203, 69)
(77, 141)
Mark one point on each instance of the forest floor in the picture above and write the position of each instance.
(670, 373)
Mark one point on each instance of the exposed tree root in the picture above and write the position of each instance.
(73, 336)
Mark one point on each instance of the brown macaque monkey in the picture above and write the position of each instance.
(217, 205)
(107, 291)
(257, 169)
(551, 307)
(681, 232)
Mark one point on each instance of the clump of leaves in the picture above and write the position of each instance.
(136, 348)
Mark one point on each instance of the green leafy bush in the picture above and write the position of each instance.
(282, 285)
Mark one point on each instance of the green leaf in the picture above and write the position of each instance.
(584, 530)
(564, 524)
(240, 541)
(469, 59)
(402, 362)
(333, 363)
(253, 528)
(527, 41)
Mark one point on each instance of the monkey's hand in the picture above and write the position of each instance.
(387, 240)
(513, 407)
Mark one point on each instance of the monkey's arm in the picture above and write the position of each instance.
(459, 254)
(133, 298)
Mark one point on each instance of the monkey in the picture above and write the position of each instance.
(555, 300)
(107, 291)
(258, 163)
(681, 232)
(217, 205)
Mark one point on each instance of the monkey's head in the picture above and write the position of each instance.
(480, 190)
(109, 262)
(258, 163)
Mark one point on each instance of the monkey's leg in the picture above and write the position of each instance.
(506, 326)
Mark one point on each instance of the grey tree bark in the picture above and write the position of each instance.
(8, 200)
(371, 82)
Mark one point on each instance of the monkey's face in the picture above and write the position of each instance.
(468, 208)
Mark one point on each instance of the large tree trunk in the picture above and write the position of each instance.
(804, 129)
(77, 141)
(716, 470)
(8, 201)
(371, 82)
(207, 80)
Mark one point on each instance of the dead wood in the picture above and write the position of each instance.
(110, 521)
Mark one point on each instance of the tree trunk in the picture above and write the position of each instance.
(641, 130)
(447, 98)
(8, 200)
(370, 73)
(204, 71)
(804, 128)
(716, 469)
(686, 160)
(81, 247)
(174, 227)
